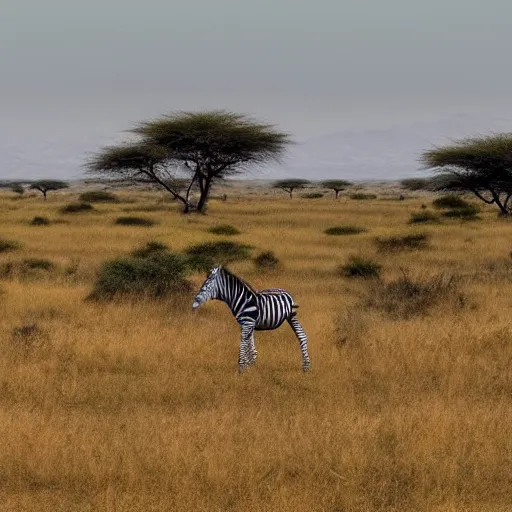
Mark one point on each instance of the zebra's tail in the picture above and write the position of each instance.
(294, 307)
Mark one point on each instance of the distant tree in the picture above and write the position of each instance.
(17, 188)
(203, 146)
(44, 186)
(336, 185)
(481, 165)
(416, 184)
(291, 185)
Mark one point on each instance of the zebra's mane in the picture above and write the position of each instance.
(229, 273)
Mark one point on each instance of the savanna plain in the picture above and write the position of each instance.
(137, 405)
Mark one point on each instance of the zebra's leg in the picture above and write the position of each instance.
(245, 346)
(303, 341)
(253, 353)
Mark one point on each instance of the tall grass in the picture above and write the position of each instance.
(137, 405)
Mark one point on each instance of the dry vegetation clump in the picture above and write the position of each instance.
(98, 196)
(77, 208)
(465, 213)
(134, 221)
(224, 229)
(312, 195)
(424, 217)
(266, 260)
(361, 196)
(40, 221)
(450, 201)
(9, 245)
(405, 297)
(345, 230)
(410, 242)
(360, 267)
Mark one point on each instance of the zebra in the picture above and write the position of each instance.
(254, 311)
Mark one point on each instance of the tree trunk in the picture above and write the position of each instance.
(205, 192)
(291, 193)
(337, 192)
(44, 194)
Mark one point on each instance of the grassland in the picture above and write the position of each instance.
(137, 405)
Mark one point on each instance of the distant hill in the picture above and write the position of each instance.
(372, 154)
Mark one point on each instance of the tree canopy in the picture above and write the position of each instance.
(204, 146)
(481, 165)
(290, 185)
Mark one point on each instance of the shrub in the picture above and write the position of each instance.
(224, 229)
(423, 217)
(134, 221)
(29, 336)
(150, 249)
(9, 245)
(77, 208)
(416, 183)
(361, 196)
(40, 221)
(98, 196)
(266, 260)
(405, 297)
(403, 243)
(37, 264)
(467, 213)
(344, 230)
(158, 275)
(312, 195)
(360, 267)
(204, 256)
(450, 201)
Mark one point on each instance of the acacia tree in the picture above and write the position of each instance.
(291, 185)
(44, 186)
(203, 146)
(481, 165)
(336, 185)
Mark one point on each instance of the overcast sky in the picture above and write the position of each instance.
(95, 66)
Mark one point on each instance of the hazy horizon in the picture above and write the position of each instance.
(75, 76)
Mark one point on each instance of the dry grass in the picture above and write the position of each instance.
(138, 405)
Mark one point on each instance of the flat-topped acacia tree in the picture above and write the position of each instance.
(336, 185)
(203, 147)
(481, 165)
(291, 185)
(44, 186)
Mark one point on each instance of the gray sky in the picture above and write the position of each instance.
(88, 69)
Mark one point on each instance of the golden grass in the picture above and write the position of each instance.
(138, 405)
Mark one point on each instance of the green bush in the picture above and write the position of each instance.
(360, 267)
(312, 195)
(9, 245)
(150, 249)
(204, 256)
(134, 221)
(423, 217)
(361, 196)
(345, 230)
(40, 221)
(158, 275)
(403, 243)
(77, 208)
(416, 183)
(266, 260)
(224, 229)
(98, 196)
(450, 201)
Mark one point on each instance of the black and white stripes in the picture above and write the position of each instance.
(264, 310)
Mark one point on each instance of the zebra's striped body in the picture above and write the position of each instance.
(254, 311)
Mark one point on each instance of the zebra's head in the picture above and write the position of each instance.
(209, 290)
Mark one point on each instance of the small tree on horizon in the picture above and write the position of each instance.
(291, 185)
(44, 186)
(481, 165)
(203, 147)
(336, 185)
